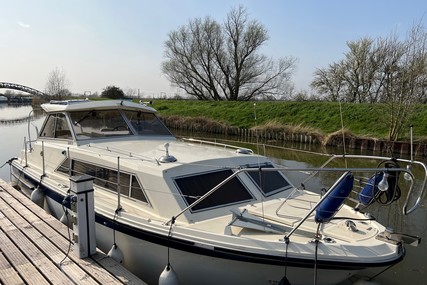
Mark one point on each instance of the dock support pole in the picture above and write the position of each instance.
(83, 216)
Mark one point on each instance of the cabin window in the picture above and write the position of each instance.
(136, 190)
(147, 123)
(268, 182)
(106, 178)
(98, 124)
(56, 127)
(193, 187)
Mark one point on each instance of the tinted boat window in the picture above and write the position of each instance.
(106, 178)
(136, 190)
(193, 187)
(147, 123)
(269, 182)
(98, 123)
(56, 127)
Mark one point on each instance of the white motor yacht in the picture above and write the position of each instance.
(211, 213)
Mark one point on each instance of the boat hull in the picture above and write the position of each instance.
(146, 254)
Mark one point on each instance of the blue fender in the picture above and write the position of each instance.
(328, 207)
(366, 196)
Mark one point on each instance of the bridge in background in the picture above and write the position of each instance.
(7, 85)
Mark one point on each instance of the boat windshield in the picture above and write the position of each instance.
(94, 124)
(147, 123)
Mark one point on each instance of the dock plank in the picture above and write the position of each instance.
(36, 243)
(19, 261)
(8, 275)
(89, 265)
(22, 235)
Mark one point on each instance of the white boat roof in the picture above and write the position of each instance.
(81, 105)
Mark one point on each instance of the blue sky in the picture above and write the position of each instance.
(105, 42)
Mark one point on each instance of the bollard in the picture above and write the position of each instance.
(83, 215)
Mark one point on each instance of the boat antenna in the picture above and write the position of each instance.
(407, 175)
(256, 129)
(261, 182)
(412, 142)
(343, 134)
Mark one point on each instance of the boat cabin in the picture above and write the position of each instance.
(88, 120)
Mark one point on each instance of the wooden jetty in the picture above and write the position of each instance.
(35, 249)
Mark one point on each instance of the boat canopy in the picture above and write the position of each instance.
(73, 105)
(100, 119)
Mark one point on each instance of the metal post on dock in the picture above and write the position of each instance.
(83, 216)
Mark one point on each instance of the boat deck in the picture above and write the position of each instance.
(34, 247)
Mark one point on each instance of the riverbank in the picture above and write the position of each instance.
(365, 127)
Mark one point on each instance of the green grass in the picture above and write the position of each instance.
(367, 120)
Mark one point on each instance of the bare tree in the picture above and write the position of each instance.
(221, 62)
(131, 92)
(387, 70)
(56, 85)
(353, 79)
(330, 81)
(406, 80)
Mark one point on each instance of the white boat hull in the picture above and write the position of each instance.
(197, 265)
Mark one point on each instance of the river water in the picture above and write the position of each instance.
(412, 270)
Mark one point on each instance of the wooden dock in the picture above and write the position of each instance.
(34, 247)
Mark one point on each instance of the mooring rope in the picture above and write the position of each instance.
(169, 238)
(66, 199)
(316, 241)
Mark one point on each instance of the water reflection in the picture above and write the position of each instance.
(14, 114)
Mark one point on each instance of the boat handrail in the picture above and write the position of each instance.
(332, 157)
(323, 198)
(28, 126)
(28, 148)
(225, 146)
(324, 169)
(128, 153)
(421, 194)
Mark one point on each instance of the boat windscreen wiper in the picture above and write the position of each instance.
(84, 117)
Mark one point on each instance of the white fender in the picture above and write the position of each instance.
(115, 253)
(37, 196)
(168, 276)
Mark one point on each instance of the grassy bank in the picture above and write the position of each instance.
(364, 120)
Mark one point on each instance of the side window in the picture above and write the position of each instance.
(269, 182)
(49, 127)
(106, 178)
(136, 191)
(56, 127)
(61, 127)
(147, 123)
(194, 187)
